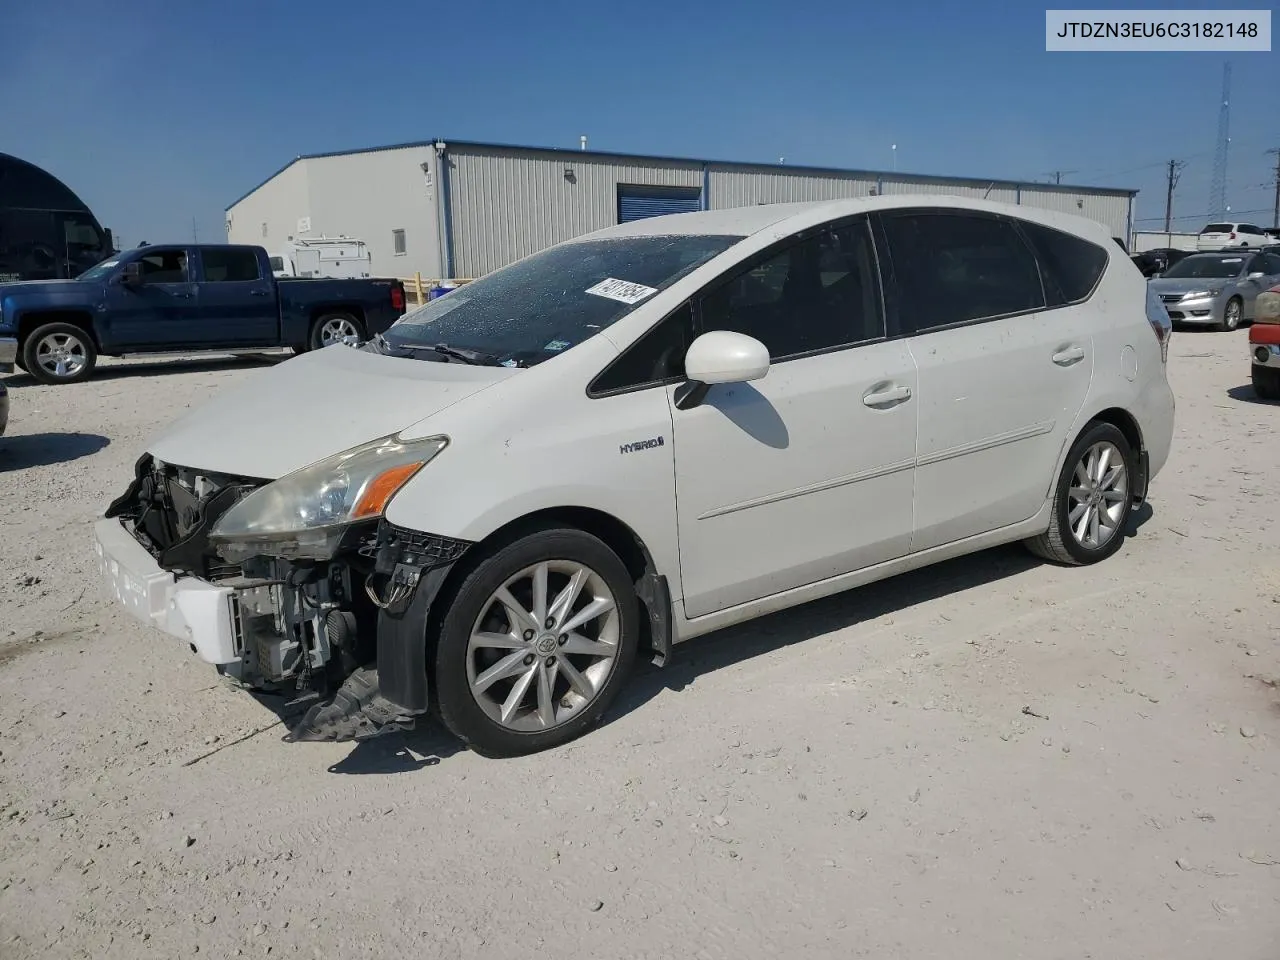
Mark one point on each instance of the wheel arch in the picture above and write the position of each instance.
(1127, 424)
(651, 585)
(353, 310)
(31, 320)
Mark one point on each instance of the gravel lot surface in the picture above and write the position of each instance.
(992, 758)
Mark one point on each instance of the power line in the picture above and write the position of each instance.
(1201, 216)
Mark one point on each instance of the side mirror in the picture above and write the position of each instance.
(720, 356)
(1256, 275)
(132, 276)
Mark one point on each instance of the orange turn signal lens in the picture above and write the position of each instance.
(382, 488)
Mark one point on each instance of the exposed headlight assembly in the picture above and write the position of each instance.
(305, 514)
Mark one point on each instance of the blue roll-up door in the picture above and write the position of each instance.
(638, 202)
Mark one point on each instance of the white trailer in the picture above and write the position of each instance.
(330, 257)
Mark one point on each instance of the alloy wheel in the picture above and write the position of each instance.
(1098, 498)
(1232, 315)
(61, 354)
(337, 330)
(544, 646)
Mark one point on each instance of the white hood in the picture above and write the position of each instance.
(313, 406)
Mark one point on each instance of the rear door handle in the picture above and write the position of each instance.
(258, 293)
(884, 398)
(1065, 358)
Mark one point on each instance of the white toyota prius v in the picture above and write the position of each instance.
(633, 438)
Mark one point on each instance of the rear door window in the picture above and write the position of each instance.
(952, 268)
(229, 266)
(1071, 267)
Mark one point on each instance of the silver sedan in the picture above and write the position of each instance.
(1218, 289)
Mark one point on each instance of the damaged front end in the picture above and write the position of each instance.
(345, 632)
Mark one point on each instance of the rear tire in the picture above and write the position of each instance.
(1091, 500)
(331, 328)
(59, 353)
(1266, 382)
(508, 686)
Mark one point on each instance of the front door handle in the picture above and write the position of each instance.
(1065, 358)
(258, 293)
(887, 397)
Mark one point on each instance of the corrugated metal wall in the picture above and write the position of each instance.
(891, 187)
(507, 204)
(1111, 211)
(745, 187)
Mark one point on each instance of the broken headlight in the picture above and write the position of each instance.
(305, 514)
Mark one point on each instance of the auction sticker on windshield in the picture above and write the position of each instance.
(622, 291)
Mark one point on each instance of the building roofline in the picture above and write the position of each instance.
(731, 164)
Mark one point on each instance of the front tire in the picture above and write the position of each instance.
(333, 328)
(59, 353)
(1091, 499)
(1231, 315)
(535, 644)
(1266, 382)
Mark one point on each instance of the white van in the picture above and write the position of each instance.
(651, 432)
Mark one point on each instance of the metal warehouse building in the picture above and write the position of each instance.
(460, 209)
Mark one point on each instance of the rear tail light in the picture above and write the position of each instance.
(1233, 234)
(397, 297)
(1161, 325)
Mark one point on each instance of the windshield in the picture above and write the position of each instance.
(1218, 228)
(1208, 267)
(550, 302)
(100, 271)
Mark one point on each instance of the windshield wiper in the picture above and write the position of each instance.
(460, 354)
(474, 357)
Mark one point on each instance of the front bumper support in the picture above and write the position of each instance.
(191, 610)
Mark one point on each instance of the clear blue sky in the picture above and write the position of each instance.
(158, 113)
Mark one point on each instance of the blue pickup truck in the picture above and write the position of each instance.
(182, 299)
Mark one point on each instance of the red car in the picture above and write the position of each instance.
(1264, 345)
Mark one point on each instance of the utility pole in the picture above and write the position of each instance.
(195, 232)
(1175, 174)
(1275, 213)
(1059, 174)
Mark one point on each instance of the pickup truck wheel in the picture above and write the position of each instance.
(334, 328)
(59, 353)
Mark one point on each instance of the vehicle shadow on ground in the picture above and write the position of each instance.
(1245, 394)
(401, 751)
(46, 449)
(733, 645)
(404, 752)
(154, 368)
